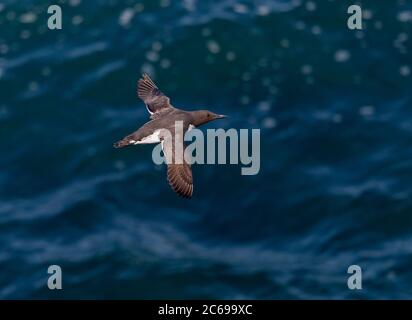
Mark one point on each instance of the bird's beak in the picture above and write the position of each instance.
(220, 116)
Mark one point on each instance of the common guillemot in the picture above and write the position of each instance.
(165, 117)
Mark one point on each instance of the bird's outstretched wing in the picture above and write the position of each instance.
(155, 100)
(180, 179)
(179, 173)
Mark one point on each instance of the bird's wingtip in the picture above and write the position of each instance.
(145, 75)
(119, 144)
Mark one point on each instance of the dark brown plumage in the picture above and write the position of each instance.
(155, 100)
(164, 116)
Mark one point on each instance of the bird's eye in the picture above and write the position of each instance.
(208, 115)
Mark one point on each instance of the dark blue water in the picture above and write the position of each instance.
(335, 185)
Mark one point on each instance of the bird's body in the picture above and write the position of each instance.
(165, 117)
(150, 131)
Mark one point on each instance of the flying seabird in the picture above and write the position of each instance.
(164, 116)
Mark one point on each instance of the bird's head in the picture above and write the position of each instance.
(205, 116)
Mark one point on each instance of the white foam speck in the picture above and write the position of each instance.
(244, 100)
(405, 16)
(300, 25)
(119, 165)
(3, 112)
(405, 71)
(402, 37)
(46, 71)
(391, 276)
(4, 48)
(76, 20)
(359, 34)
(246, 76)
(367, 111)
(378, 25)
(206, 32)
(316, 30)
(399, 42)
(165, 63)
(337, 118)
(126, 17)
(367, 14)
(152, 56)
(240, 8)
(285, 43)
(213, 46)
(307, 69)
(148, 68)
(25, 34)
(156, 46)
(264, 106)
(189, 5)
(33, 86)
(310, 6)
(28, 17)
(269, 123)
(230, 56)
(74, 3)
(342, 55)
(263, 10)
(164, 3)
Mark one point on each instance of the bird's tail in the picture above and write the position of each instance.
(123, 143)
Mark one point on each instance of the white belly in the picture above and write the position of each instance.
(153, 138)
